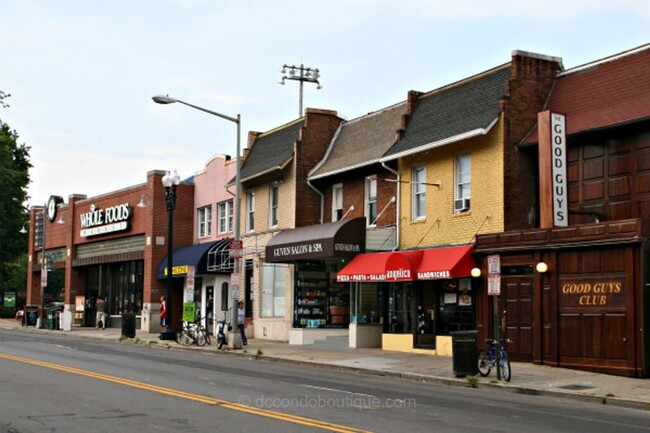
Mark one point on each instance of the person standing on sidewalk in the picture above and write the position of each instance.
(100, 305)
(241, 324)
(163, 313)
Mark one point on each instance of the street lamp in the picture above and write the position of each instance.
(160, 99)
(170, 181)
(300, 74)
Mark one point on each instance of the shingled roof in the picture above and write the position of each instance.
(609, 92)
(361, 141)
(454, 112)
(271, 150)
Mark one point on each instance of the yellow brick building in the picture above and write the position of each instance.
(441, 224)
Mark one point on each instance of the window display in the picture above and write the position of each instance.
(320, 300)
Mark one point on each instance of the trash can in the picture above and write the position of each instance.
(128, 325)
(50, 318)
(464, 353)
(31, 315)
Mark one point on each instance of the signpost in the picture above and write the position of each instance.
(494, 289)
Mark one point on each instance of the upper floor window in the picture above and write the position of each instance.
(204, 221)
(273, 205)
(224, 214)
(371, 200)
(419, 193)
(250, 210)
(337, 202)
(463, 183)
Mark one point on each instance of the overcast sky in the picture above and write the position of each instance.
(82, 73)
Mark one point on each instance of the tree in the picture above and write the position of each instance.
(14, 179)
(4, 96)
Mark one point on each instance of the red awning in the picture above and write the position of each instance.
(377, 267)
(448, 262)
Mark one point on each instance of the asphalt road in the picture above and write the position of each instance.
(54, 383)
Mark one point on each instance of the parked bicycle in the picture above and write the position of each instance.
(487, 359)
(194, 333)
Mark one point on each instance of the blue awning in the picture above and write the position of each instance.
(193, 255)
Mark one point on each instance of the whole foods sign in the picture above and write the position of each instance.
(103, 221)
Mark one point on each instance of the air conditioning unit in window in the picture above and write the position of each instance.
(461, 205)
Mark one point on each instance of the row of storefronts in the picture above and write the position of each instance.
(383, 231)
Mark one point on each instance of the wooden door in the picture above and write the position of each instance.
(516, 315)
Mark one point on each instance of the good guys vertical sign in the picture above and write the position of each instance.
(558, 158)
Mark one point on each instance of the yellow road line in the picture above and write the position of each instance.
(189, 396)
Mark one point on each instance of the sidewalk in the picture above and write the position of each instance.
(526, 378)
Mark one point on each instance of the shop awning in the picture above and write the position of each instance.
(447, 262)
(320, 241)
(377, 267)
(193, 255)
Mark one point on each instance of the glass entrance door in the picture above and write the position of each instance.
(424, 310)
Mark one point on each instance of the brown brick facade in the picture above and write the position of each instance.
(315, 137)
(526, 93)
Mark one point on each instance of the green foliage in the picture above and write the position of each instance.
(472, 381)
(4, 96)
(14, 178)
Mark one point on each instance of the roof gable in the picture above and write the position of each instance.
(361, 141)
(453, 111)
(271, 150)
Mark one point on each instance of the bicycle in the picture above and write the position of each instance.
(487, 359)
(193, 333)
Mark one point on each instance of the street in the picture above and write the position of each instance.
(56, 383)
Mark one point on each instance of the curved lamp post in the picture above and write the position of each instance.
(235, 339)
(170, 181)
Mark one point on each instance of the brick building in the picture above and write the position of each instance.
(574, 287)
(111, 246)
(275, 197)
(456, 174)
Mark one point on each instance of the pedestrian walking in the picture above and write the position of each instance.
(241, 324)
(163, 313)
(100, 306)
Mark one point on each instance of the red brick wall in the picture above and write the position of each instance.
(316, 135)
(150, 221)
(354, 185)
(156, 227)
(526, 93)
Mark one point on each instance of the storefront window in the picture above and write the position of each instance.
(224, 296)
(320, 301)
(273, 290)
(429, 308)
(367, 304)
(400, 310)
(120, 283)
(455, 306)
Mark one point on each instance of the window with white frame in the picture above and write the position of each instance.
(371, 200)
(272, 290)
(337, 202)
(463, 183)
(419, 192)
(250, 210)
(224, 214)
(273, 204)
(204, 221)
